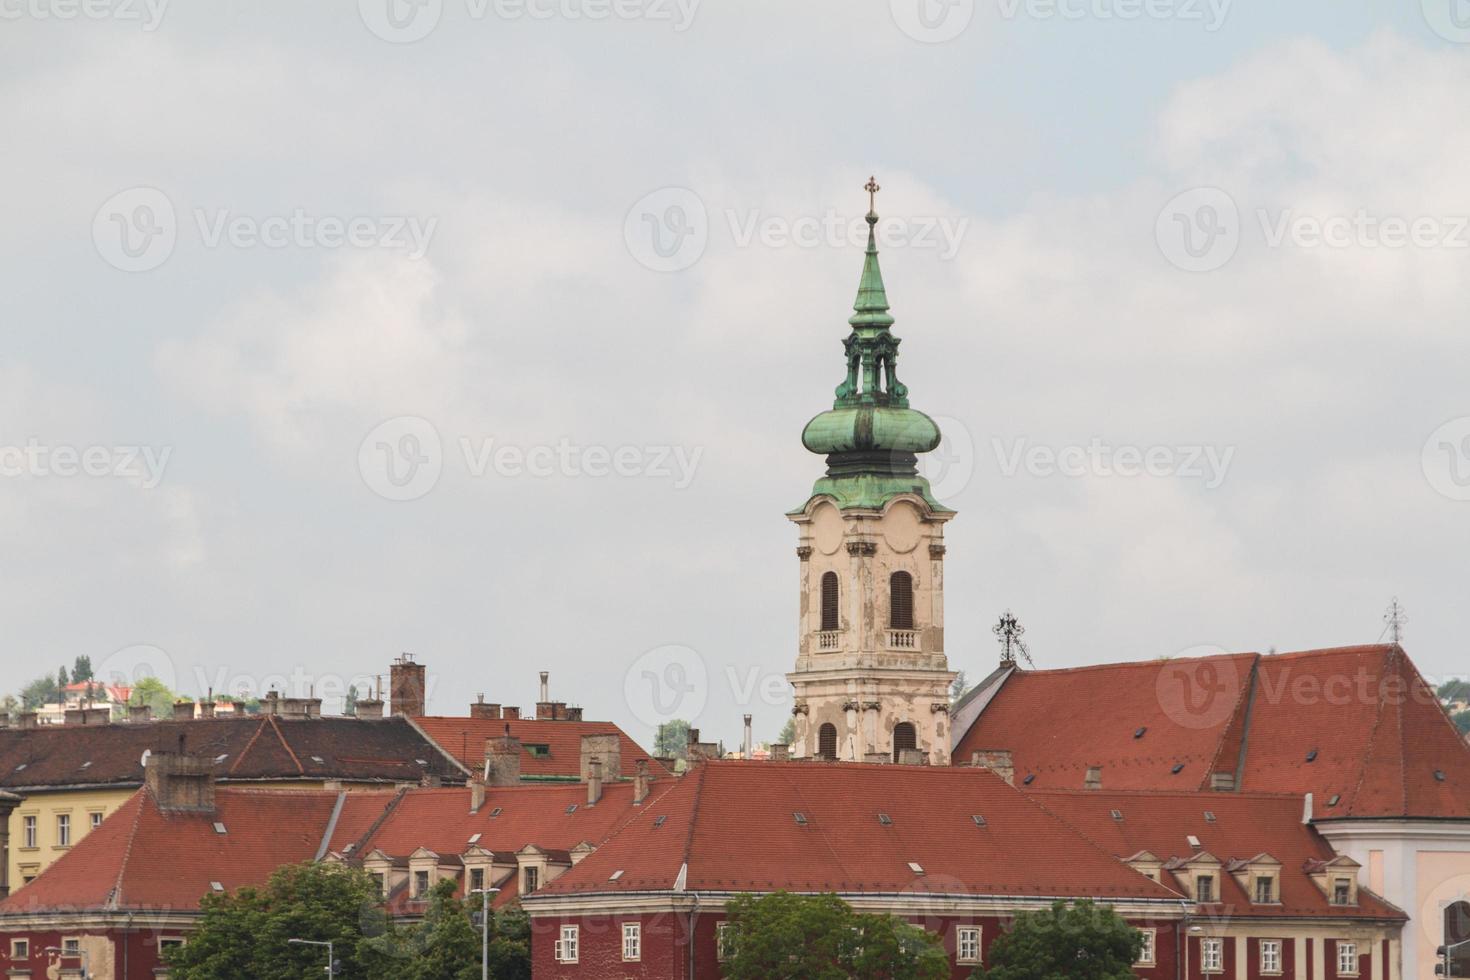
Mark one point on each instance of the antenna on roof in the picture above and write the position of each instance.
(1009, 632)
(1393, 622)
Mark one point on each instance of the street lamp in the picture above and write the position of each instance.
(331, 957)
(79, 953)
(485, 894)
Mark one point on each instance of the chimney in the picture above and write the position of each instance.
(998, 761)
(477, 794)
(183, 711)
(271, 705)
(72, 716)
(28, 719)
(96, 716)
(594, 781)
(479, 709)
(546, 685)
(295, 708)
(747, 745)
(574, 714)
(139, 713)
(369, 708)
(4, 719)
(780, 751)
(607, 751)
(1093, 779)
(180, 782)
(406, 686)
(1222, 782)
(640, 782)
(510, 713)
(503, 760)
(206, 707)
(1307, 809)
(545, 711)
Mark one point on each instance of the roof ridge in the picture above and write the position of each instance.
(377, 825)
(1153, 662)
(114, 900)
(698, 792)
(1243, 698)
(276, 727)
(248, 746)
(820, 829)
(1370, 754)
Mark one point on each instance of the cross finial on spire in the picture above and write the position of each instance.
(1009, 632)
(1395, 619)
(872, 188)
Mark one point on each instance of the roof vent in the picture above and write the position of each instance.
(1193, 841)
(885, 820)
(422, 762)
(1439, 775)
(20, 767)
(219, 828)
(1178, 768)
(87, 764)
(221, 758)
(658, 821)
(1334, 799)
(1030, 778)
(800, 818)
(1118, 815)
(615, 875)
(916, 867)
(495, 813)
(474, 839)
(572, 808)
(216, 886)
(1141, 732)
(1209, 816)
(1312, 756)
(979, 820)
(318, 760)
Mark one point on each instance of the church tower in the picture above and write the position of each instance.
(871, 679)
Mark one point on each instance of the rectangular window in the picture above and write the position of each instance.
(170, 942)
(96, 819)
(1205, 889)
(530, 883)
(632, 942)
(20, 949)
(71, 946)
(722, 941)
(1270, 956)
(566, 946)
(477, 879)
(63, 830)
(1146, 955)
(1212, 955)
(1265, 890)
(1347, 959)
(967, 944)
(29, 834)
(420, 883)
(1342, 892)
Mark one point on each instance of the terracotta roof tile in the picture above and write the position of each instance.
(464, 738)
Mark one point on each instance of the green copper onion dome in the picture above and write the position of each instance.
(871, 437)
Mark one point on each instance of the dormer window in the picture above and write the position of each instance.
(1265, 890)
(1204, 889)
(1342, 891)
(420, 884)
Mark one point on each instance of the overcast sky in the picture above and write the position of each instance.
(487, 329)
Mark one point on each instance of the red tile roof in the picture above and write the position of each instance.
(144, 858)
(464, 738)
(1384, 746)
(732, 825)
(1245, 825)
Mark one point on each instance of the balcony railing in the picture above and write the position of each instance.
(829, 640)
(903, 639)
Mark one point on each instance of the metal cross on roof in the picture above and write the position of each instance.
(1394, 621)
(1009, 632)
(872, 188)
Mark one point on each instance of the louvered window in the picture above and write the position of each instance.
(904, 737)
(901, 601)
(829, 602)
(827, 741)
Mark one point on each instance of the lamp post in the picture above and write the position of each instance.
(485, 894)
(331, 956)
(79, 953)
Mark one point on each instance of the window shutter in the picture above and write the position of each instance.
(901, 601)
(830, 618)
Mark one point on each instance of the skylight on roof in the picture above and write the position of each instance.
(1178, 768)
(1312, 756)
(474, 838)
(219, 828)
(495, 813)
(216, 886)
(1141, 732)
(979, 820)
(1439, 775)
(1030, 778)
(615, 875)
(658, 821)
(885, 820)
(572, 808)
(1193, 840)
(318, 760)
(1118, 815)
(800, 818)
(916, 867)
(1334, 799)
(1209, 816)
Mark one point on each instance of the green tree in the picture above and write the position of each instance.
(958, 689)
(155, 694)
(1066, 942)
(447, 945)
(1455, 690)
(788, 732)
(82, 669)
(673, 739)
(1462, 721)
(42, 690)
(820, 937)
(61, 680)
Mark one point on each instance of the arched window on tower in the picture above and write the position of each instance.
(829, 602)
(827, 740)
(904, 737)
(901, 601)
(1457, 930)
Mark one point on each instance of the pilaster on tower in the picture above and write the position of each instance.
(871, 678)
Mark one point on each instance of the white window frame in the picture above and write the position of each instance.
(63, 830)
(1271, 957)
(632, 942)
(722, 941)
(29, 831)
(1347, 959)
(95, 819)
(1149, 953)
(967, 944)
(16, 947)
(71, 945)
(1212, 955)
(566, 946)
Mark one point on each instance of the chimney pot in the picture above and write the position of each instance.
(503, 760)
(640, 782)
(477, 794)
(546, 685)
(510, 713)
(594, 782)
(748, 745)
(183, 710)
(604, 749)
(180, 782)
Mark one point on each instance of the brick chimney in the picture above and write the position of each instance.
(206, 708)
(477, 794)
(180, 782)
(88, 716)
(594, 781)
(607, 750)
(406, 686)
(574, 714)
(271, 704)
(510, 713)
(479, 709)
(998, 761)
(640, 782)
(369, 708)
(139, 713)
(503, 760)
(780, 752)
(183, 711)
(28, 720)
(1093, 779)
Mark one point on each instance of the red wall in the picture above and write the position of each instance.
(135, 953)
